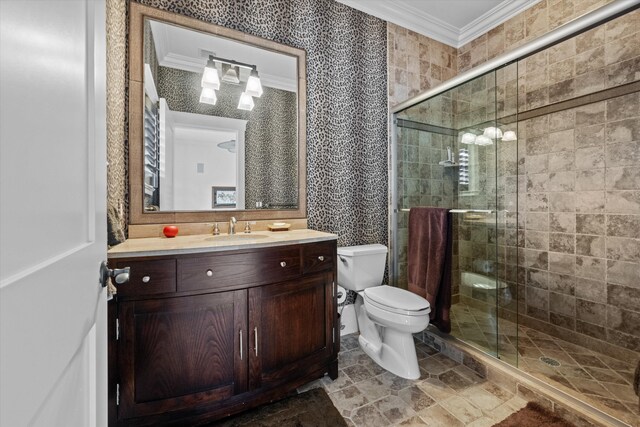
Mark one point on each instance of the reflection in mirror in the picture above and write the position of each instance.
(218, 114)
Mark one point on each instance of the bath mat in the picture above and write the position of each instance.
(533, 415)
(310, 409)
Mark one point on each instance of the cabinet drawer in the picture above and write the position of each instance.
(318, 256)
(232, 269)
(149, 277)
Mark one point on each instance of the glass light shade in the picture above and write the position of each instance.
(483, 140)
(468, 138)
(210, 77)
(231, 76)
(208, 96)
(246, 102)
(254, 87)
(509, 136)
(493, 132)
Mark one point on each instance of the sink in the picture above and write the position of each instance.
(237, 237)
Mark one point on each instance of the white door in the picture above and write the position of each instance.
(52, 213)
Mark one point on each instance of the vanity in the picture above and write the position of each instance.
(209, 326)
(212, 325)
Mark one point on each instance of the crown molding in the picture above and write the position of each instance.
(492, 18)
(406, 16)
(401, 12)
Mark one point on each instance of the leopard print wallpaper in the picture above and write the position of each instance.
(117, 188)
(346, 103)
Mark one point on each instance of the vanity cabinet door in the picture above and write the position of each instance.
(290, 326)
(182, 352)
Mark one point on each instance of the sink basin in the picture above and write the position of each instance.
(237, 237)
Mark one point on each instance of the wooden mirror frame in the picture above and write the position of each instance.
(137, 214)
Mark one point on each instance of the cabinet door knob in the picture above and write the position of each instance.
(209, 272)
(321, 258)
(146, 279)
(283, 264)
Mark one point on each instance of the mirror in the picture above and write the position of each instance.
(219, 123)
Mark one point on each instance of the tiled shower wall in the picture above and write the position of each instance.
(579, 205)
(576, 250)
(528, 25)
(581, 213)
(416, 63)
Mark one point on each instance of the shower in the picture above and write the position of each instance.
(538, 167)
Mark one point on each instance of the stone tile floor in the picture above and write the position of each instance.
(597, 379)
(447, 393)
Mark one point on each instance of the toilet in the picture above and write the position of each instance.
(387, 316)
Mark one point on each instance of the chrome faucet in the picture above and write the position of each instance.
(232, 225)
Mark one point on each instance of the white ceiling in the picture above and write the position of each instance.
(454, 22)
(185, 49)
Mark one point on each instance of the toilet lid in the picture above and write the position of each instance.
(396, 299)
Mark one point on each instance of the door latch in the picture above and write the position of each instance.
(120, 275)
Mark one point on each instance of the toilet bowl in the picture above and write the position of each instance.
(387, 316)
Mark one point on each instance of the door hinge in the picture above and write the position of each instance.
(117, 329)
(333, 335)
(333, 289)
(117, 394)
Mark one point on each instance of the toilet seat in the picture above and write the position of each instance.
(396, 300)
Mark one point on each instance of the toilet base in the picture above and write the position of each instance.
(393, 350)
(397, 354)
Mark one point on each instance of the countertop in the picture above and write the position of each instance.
(154, 246)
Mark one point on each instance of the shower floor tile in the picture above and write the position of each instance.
(600, 380)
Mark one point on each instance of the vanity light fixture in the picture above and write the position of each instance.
(231, 75)
(246, 102)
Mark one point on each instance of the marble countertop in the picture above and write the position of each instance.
(154, 246)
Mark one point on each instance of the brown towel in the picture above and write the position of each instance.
(429, 256)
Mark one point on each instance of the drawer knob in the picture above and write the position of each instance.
(321, 258)
(146, 279)
(283, 264)
(209, 272)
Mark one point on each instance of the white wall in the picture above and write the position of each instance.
(192, 146)
(166, 152)
(187, 139)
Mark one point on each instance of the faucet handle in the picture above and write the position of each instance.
(216, 230)
(247, 228)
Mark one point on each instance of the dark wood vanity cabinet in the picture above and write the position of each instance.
(227, 331)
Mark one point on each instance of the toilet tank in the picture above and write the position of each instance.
(361, 267)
